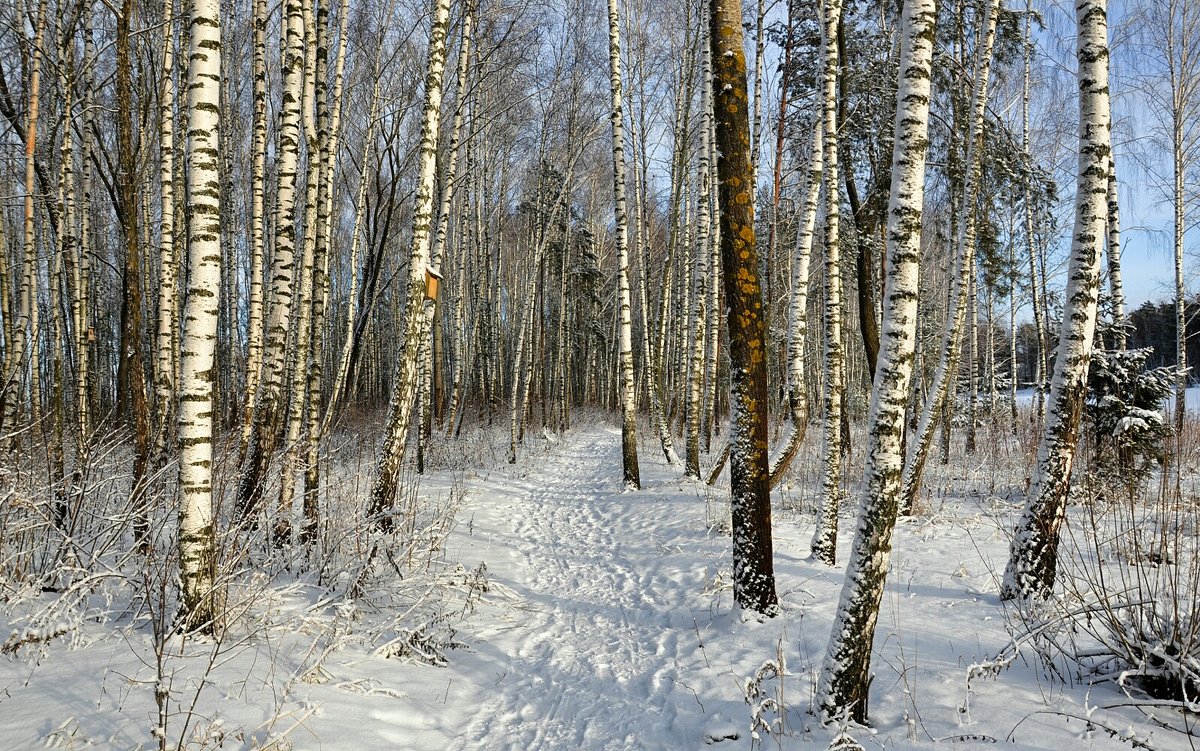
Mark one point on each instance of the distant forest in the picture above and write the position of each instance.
(1153, 325)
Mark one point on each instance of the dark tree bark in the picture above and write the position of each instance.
(131, 373)
(753, 568)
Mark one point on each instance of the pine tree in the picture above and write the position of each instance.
(753, 565)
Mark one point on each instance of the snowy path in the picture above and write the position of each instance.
(608, 626)
(597, 652)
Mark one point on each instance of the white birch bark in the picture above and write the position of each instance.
(797, 386)
(254, 326)
(824, 541)
(846, 677)
(940, 390)
(698, 313)
(27, 300)
(383, 492)
(629, 458)
(81, 304)
(269, 400)
(1112, 254)
(1033, 561)
(166, 351)
(303, 311)
(197, 538)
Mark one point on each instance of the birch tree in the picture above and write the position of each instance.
(845, 679)
(165, 345)
(269, 401)
(1033, 558)
(960, 299)
(824, 542)
(387, 475)
(629, 458)
(20, 344)
(197, 538)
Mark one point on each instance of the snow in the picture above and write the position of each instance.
(607, 623)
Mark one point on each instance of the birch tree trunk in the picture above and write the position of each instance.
(943, 382)
(797, 385)
(199, 605)
(750, 495)
(1033, 560)
(824, 542)
(164, 370)
(269, 406)
(299, 350)
(81, 301)
(629, 458)
(846, 678)
(17, 350)
(383, 492)
(1034, 286)
(698, 313)
(1116, 288)
(258, 177)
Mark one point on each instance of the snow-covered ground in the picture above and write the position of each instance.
(607, 623)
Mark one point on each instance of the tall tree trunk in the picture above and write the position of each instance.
(943, 382)
(824, 542)
(387, 476)
(299, 351)
(21, 344)
(258, 178)
(699, 313)
(1033, 560)
(753, 565)
(199, 604)
(269, 406)
(797, 380)
(846, 677)
(166, 352)
(629, 458)
(131, 375)
(1030, 240)
(1116, 288)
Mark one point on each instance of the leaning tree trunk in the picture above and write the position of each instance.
(199, 607)
(629, 458)
(941, 390)
(1033, 560)
(846, 677)
(797, 383)
(387, 476)
(753, 567)
(824, 542)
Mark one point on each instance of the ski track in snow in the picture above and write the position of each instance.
(596, 661)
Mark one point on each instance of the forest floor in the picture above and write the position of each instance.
(580, 615)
